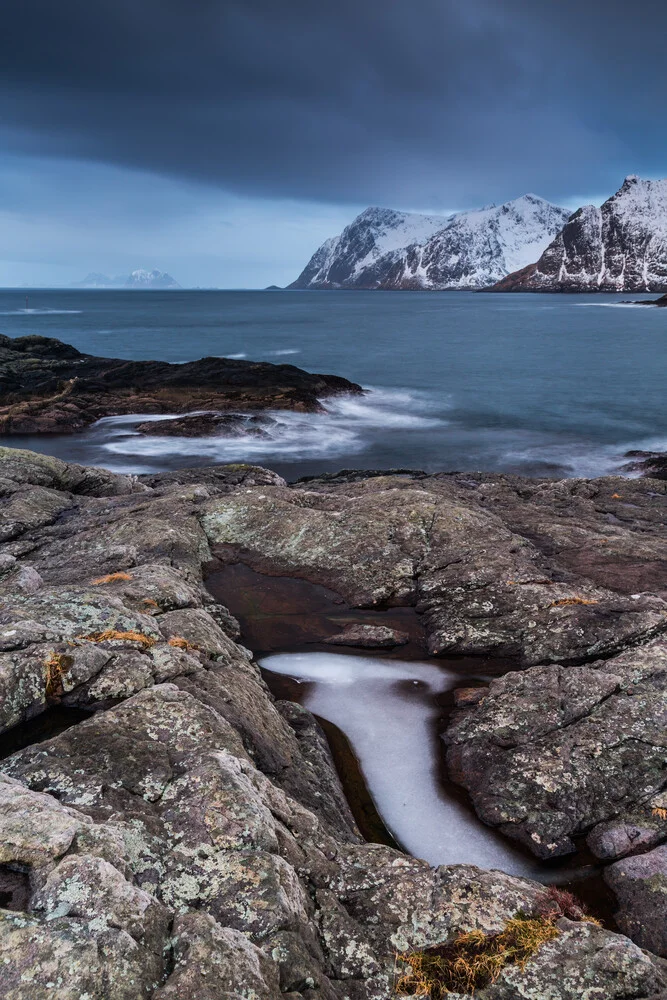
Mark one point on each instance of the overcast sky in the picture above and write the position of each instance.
(223, 141)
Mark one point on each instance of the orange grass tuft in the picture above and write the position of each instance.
(473, 960)
(566, 601)
(112, 578)
(660, 813)
(57, 666)
(180, 643)
(112, 634)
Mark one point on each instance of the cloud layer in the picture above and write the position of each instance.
(425, 102)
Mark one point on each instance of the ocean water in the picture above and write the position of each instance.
(552, 385)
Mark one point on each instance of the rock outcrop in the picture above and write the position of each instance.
(47, 386)
(190, 836)
(382, 249)
(553, 753)
(619, 247)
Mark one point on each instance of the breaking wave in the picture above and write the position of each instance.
(41, 312)
(346, 426)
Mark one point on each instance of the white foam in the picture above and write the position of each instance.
(41, 312)
(387, 710)
(241, 354)
(286, 350)
(344, 428)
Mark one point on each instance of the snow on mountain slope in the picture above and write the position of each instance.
(385, 249)
(342, 262)
(619, 247)
(137, 279)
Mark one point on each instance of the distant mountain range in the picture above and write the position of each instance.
(524, 245)
(619, 247)
(137, 279)
(383, 249)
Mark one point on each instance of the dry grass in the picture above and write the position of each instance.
(112, 578)
(474, 960)
(556, 902)
(113, 634)
(57, 666)
(180, 643)
(567, 601)
(660, 813)
(149, 602)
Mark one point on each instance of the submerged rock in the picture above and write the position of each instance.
(369, 636)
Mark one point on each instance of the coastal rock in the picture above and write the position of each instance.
(540, 571)
(191, 836)
(620, 247)
(652, 464)
(369, 636)
(640, 886)
(50, 387)
(551, 752)
(209, 424)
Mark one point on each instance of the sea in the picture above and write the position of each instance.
(539, 385)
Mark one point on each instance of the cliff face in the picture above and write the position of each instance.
(383, 249)
(619, 247)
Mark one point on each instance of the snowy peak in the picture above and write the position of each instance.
(384, 249)
(343, 261)
(150, 279)
(137, 279)
(619, 247)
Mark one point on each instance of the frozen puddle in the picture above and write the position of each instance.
(387, 709)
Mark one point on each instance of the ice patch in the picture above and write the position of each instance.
(387, 710)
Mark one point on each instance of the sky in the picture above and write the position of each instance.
(224, 140)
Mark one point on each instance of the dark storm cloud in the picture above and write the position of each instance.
(402, 101)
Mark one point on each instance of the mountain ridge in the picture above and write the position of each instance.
(139, 278)
(384, 249)
(620, 246)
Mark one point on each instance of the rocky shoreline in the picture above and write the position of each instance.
(190, 836)
(48, 387)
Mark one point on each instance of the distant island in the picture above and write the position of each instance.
(136, 279)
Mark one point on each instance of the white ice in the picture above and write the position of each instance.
(386, 709)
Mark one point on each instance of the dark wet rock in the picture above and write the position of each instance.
(662, 301)
(650, 463)
(640, 885)
(50, 387)
(208, 425)
(369, 636)
(190, 836)
(551, 752)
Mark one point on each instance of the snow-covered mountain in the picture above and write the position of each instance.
(137, 279)
(383, 249)
(619, 247)
(346, 261)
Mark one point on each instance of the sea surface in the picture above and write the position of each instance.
(542, 385)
